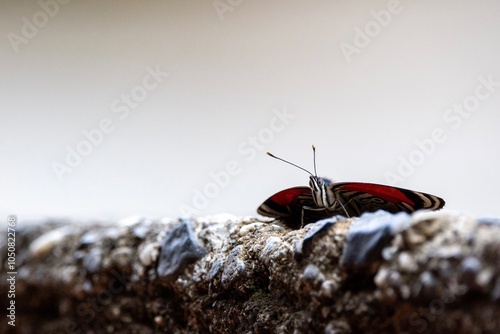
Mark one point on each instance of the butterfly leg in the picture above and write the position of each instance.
(334, 206)
(302, 216)
(309, 208)
(343, 207)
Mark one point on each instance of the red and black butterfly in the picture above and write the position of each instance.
(299, 206)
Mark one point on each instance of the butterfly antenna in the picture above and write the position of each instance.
(288, 162)
(314, 160)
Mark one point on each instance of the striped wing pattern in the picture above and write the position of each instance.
(359, 198)
(297, 207)
(287, 205)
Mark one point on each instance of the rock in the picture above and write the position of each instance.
(92, 262)
(380, 273)
(369, 235)
(148, 254)
(179, 249)
(47, 241)
(314, 230)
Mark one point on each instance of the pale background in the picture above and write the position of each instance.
(227, 73)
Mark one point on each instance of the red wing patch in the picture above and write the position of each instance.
(388, 193)
(289, 196)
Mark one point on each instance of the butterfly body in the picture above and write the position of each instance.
(298, 206)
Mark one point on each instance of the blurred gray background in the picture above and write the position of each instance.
(166, 108)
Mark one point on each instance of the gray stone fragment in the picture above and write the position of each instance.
(234, 267)
(179, 249)
(272, 243)
(495, 294)
(488, 221)
(315, 229)
(469, 268)
(141, 230)
(312, 273)
(90, 238)
(216, 267)
(428, 285)
(369, 235)
(92, 262)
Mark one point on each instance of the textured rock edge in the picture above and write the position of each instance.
(436, 272)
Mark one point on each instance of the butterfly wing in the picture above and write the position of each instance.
(287, 205)
(358, 197)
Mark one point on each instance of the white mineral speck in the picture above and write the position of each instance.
(47, 241)
(149, 254)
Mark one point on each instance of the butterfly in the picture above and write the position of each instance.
(298, 206)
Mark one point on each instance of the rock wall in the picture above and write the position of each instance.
(380, 273)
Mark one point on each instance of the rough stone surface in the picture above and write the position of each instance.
(368, 235)
(179, 249)
(380, 273)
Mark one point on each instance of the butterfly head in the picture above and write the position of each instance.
(319, 185)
